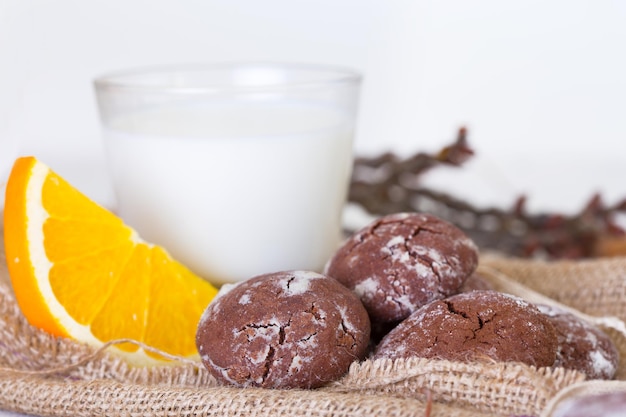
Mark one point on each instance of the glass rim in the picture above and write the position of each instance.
(126, 80)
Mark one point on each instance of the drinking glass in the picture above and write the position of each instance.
(236, 169)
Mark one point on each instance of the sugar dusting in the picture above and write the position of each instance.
(440, 260)
(434, 261)
(394, 248)
(296, 286)
(245, 299)
(405, 301)
(345, 320)
(422, 270)
(395, 241)
(299, 282)
(518, 300)
(296, 364)
(548, 310)
(225, 289)
(260, 356)
(367, 288)
(601, 364)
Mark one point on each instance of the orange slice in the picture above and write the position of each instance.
(78, 271)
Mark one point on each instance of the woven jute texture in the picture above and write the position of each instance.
(48, 376)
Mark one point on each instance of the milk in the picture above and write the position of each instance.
(234, 189)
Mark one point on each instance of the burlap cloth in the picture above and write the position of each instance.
(48, 376)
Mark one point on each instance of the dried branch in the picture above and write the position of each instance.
(388, 184)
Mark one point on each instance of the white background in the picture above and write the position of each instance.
(541, 85)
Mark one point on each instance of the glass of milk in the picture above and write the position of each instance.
(236, 169)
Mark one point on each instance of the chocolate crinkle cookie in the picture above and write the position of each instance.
(473, 326)
(582, 346)
(293, 329)
(403, 261)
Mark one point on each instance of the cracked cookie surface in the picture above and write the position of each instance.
(473, 326)
(403, 261)
(293, 329)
